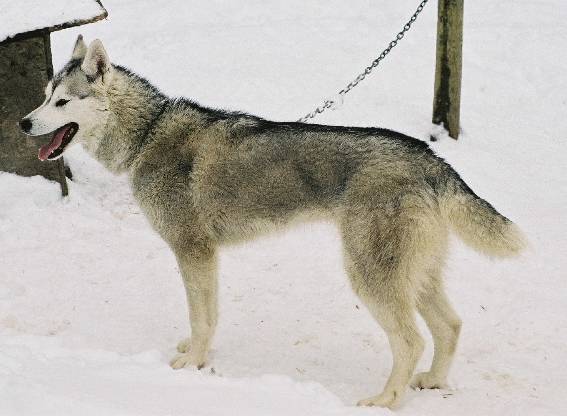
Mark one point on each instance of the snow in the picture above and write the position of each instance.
(27, 15)
(91, 303)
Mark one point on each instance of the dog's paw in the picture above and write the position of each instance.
(184, 345)
(390, 399)
(187, 360)
(428, 380)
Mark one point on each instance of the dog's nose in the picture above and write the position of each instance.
(26, 125)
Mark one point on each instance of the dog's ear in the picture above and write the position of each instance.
(80, 48)
(96, 62)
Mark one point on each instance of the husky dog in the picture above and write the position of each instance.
(205, 178)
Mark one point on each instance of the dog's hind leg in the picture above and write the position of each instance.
(388, 296)
(445, 327)
(388, 245)
(199, 271)
(395, 313)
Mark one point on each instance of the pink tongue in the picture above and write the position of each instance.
(55, 142)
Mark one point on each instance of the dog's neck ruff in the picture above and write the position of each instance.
(153, 122)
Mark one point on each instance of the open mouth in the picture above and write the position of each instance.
(61, 138)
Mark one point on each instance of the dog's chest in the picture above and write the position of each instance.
(165, 196)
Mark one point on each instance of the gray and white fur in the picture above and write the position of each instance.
(206, 178)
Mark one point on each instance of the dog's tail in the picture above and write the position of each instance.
(477, 222)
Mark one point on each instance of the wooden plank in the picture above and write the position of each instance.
(448, 68)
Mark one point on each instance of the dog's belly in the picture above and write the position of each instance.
(238, 230)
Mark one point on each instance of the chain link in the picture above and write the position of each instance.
(330, 102)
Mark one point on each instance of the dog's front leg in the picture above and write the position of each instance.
(199, 272)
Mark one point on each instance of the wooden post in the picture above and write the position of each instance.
(447, 99)
(25, 67)
(49, 69)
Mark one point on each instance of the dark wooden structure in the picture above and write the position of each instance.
(25, 68)
(448, 69)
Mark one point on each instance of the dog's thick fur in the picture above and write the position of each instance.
(205, 178)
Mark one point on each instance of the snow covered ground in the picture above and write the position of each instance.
(91, 302)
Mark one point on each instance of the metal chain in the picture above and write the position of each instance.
(331, 102)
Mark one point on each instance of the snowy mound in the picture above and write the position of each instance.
(23, 16)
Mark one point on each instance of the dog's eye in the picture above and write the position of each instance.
(61, 102)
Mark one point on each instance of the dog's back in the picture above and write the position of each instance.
(243, 171)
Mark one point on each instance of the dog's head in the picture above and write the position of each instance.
(76, 106)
